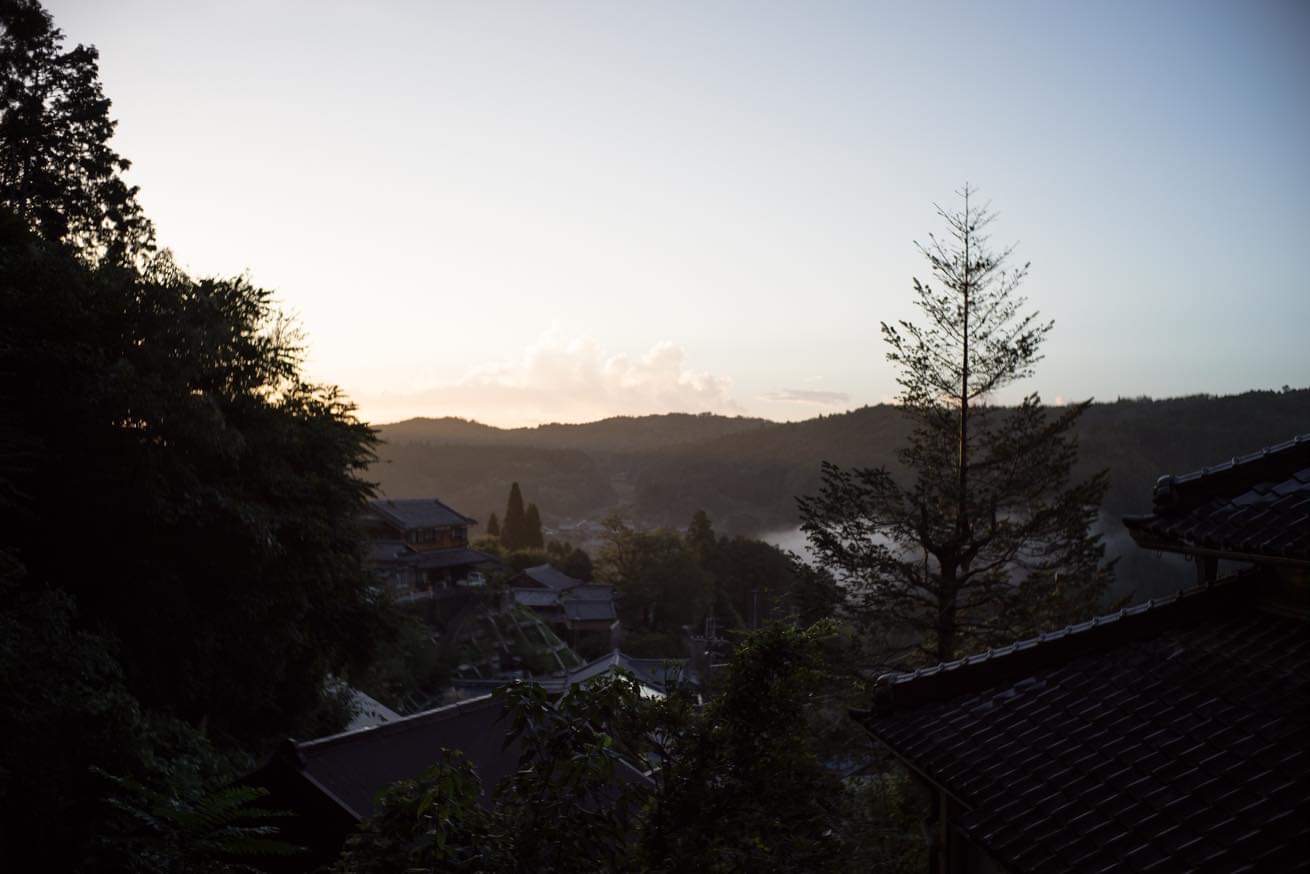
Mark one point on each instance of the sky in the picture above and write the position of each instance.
(529, 212)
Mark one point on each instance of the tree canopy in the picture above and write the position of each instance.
(181, 573)
(58, 171)
(661, 587)
(991, 536)
(740, 787)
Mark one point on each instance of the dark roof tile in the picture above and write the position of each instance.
(1170, 732)
(1255, 505)
(410, 513)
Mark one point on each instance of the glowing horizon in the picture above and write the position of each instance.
(528, 213)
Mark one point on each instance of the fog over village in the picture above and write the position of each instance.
(519, 437)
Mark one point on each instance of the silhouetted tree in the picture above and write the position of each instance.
(569, 559)
(742, 787)
(514, 528)
(493, 526)
(577, 564)
(214, 494)
(700, 537)
(662, 587)
(57, 169)
(532, 525)
(992, 537)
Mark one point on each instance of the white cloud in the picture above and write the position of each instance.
(562, 379)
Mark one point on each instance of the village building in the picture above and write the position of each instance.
(1173, 735)
(332, 783)
(655, 677)
(581, 613)
(419, 548)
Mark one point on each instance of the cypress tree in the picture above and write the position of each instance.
(493, 526)
(513, 531)
(532, 529)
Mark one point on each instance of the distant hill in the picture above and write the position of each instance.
(616, 434)
(746, 472)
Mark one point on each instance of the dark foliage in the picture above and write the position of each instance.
(571, 560)
(742, 788)
(211, 493)
(514, 534)
(661, 587)
(572, 805)
(57, 169)
(532, 526)
(568, 481)
(990, 536)
(181, 570)
(746, 479)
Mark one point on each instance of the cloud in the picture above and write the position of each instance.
(561, 379)
(810, 396)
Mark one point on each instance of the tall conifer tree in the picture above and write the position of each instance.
(992, 538)
(514, 528)
(536, 538)
(493, 526)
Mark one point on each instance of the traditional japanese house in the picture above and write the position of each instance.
(582, 613)
(1170, 736)
(420, 547)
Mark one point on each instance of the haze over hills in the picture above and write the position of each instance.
(747, 472)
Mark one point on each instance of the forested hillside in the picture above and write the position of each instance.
(615, 434)
(747, 472)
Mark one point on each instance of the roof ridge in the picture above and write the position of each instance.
(1168, 490)
(404, 723)
(381, 505)
(898, 689)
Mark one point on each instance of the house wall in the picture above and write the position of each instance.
(448, 537)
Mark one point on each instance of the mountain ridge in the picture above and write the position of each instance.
(746, 472)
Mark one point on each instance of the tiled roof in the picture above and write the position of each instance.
(368, 711)
(548, 576)
(1170, 737)
(656, 674)
(412, 513)
(331, 783)
(592, 592)
(536, 598)
(591, 602)
(457, 557)
(589, 611)
(1256, 505)
(354, 766)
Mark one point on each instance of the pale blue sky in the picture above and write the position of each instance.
(555, 211)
